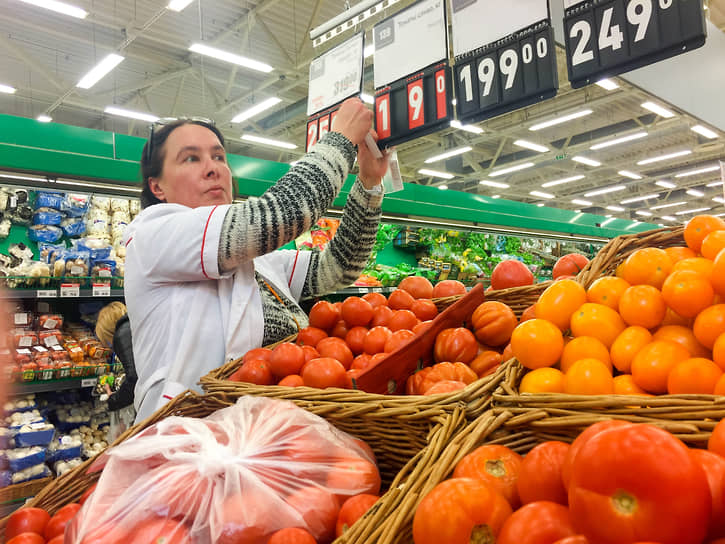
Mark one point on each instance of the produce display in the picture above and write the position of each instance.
(616, 483)
(656, 327)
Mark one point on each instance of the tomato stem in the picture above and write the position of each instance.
(624, 503)
(495, 467)
(481, 534)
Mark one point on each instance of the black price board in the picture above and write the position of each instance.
(609, 37)
(509, 74)
(414, 106)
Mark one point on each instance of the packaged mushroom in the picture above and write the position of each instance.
(45, 233)
(97, 248)
(31, 473)
(5, 225)
(48, 199)
(101, 202)
(73, 227)
(120, 204)
(38, 274)
(75, 205)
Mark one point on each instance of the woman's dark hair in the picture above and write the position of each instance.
(154, 152)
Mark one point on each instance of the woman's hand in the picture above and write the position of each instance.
(353, 120)
(372, 170)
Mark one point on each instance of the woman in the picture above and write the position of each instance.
(113, 329)
(203, 281)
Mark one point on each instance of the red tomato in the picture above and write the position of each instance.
(354, 339)
(448, 288)
(361, 361)
(324, 372)
(459, 511)
(577, 539)
(375, 339)
(352, 510)
(293, 380)
(402, 320)
(400, 300)
(421, 327)
(353, 475)
(455, 345)
(381, 317)
(716, 443)
(254, 371)
(286, 359)
(27, 538)
(319, 509)
(714, 467)
(309, 336)
(638, 482)
(511, 273)
(398, 338)
(56, 525)
(160, 531)
(324, 315)
(494, 465)
(357, 312)
(336, 348)
(60, 539)
(424, 309)
(257, 353)
(376, 299)
(418, 286)
(339, 330)
(540, 522)
(292, 535)
(310, 353)
(540, 473)
(569, 265)
(87, 493)
(26, 520)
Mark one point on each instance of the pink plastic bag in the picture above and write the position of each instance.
(234, 477)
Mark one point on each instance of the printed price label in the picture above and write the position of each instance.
(21, 319)
(101, 290)
(70, 290)
(335, 75)
(46, 293)
(89, 382)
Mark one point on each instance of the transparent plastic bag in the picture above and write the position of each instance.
(238, 475)
(48, 199)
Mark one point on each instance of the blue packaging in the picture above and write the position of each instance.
(49, 199)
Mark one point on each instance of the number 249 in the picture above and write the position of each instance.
(639, 14)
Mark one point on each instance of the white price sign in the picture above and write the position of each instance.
(480, 22)
(336, 75)
(46, 293)
(101, 290)
(69, 290)
(89, 382)
(409, 41)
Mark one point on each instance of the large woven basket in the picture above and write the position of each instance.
(397, 459)
(18, 492)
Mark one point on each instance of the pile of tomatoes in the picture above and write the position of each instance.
(617, 483)
(36, 526)
(658, 324)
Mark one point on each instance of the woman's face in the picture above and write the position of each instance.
(195, 171)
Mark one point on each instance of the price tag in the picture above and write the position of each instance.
(89, 382)
(101, 290)
(382, 115)
(312, 126)
(335, 75)
(323, 126)
(21, 319)
(512, 73)
(69, 290)
(46, 293)
(607, 38)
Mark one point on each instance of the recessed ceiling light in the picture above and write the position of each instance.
(606, 190)
(698, 171)
(99, 71)
(628, 174)
(496, 196)
(665, 184)
(267, 141)
(695, 192)
(643, 213)
(659, 110)
(256, 109)
(44, 118)
(704, 131)
(448, 154)
(468, 128)
(668, 205)
(696, 210)
(562, 180)
(639, 198)
(178, 5)
(607, 84)
(665, 157)
(585, 160)
(540, 205)
(615, 208)
(581, 202)
(540, 194)
(443, 187)
(511, 169)
(531, 145)
(494, 184)
(561, 119)
(435, 173)
(617, 141)
(59, 7)
(7, 89)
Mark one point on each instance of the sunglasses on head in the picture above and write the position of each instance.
(163, 121)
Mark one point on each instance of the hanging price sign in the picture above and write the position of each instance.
(606, 38)
(507, 64)
(412, 76)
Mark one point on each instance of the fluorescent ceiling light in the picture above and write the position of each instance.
(643, 213)
(23, 178)
(560, 120)
(448, 154)
(510, 169)
(666, 184)
(468, 128)
(585, 160)
(435, 173)
(668, 205)
(614, 208)
(628, 174)
(607, 84)
(695, 192)
(668, 218)
(496, 196)
(178, 5)
(226, 56)
(44, 118)
(368, 50)
(639, 198)
(131, 114)
(256, 109)
(267, 141)
(719, 200)
(562, 180)
(704, 131)
(696, 210)
(7, 89)
(60, 7)
(698, 171)
(715, 184)
(581, 202)
(367, 98)
(494, 184)
(547, 196)
(540, 205)
(617, 141)
(443, 187)
(665, 157)
(576, 218)
(99, 71)
(606, 222)
(606, 190)
(531, 145)
(659, 110)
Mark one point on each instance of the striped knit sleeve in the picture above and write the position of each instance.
(289, 208)
(342, 260)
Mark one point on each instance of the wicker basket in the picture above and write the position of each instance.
(397, 458)
(19, 492)
(517, 298)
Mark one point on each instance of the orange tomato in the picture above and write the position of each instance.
(720, 386)
(493, 322)
(714, 467)
(485, 361)
(324, 315)
(445, 386)
(292, 535)
(683, 336)
(589, 377)
(716, 442)
(598, 321)
(286, 359)
(624, 385)
(537, 343)
(642, 305)
(702, 266)
(687, 292)
(627, 345)
(559, 301)
(678, 253)
(607, 290)
(353, 509)
(673, 318)
(584, 347)
(695, 376)
(709, 324)
(528, 313)
(654, 362)
(699, 227)
(718, 274)
(456, 345)
(712, 244)
(543, 380)
(718, 351)
(647, 266)
(495, 465)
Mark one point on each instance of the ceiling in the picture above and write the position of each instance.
(44, 54)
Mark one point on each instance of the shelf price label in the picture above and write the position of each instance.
(89, 382)
(69, 290)
(606, 38)
(46, 293)
(101, 290)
